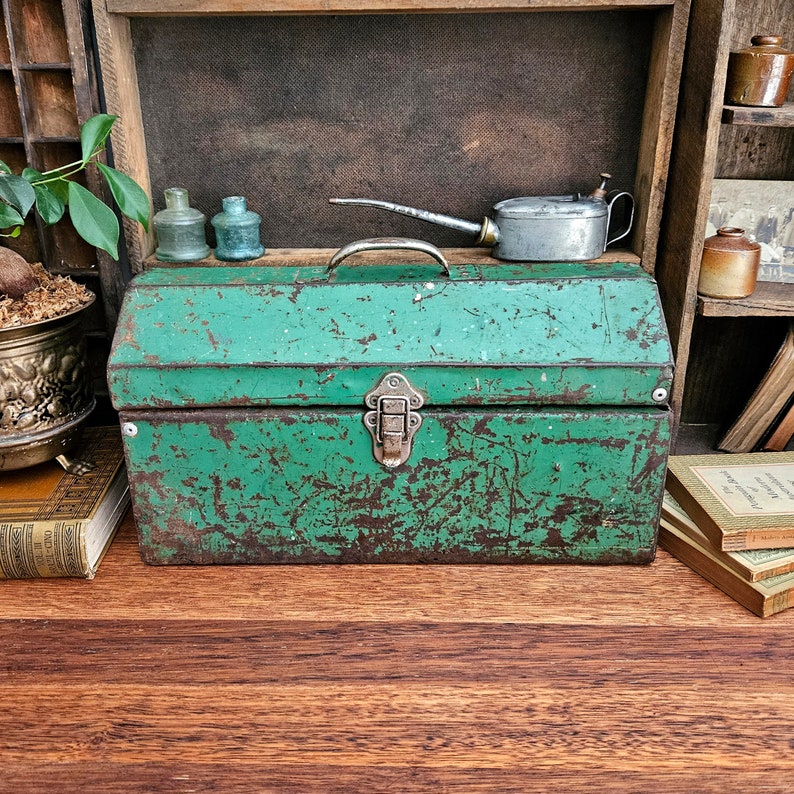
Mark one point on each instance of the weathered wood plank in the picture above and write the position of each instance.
(122, 98)
(768, 300)
(229, 7)
(309, 257)
(773, 117)
(692, 164)
(657, 128)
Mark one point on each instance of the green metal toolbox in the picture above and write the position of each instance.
(502, 413)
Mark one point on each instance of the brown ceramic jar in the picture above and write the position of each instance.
(729, 267)
(760, 75)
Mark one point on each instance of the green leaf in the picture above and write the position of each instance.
(32, 175)
(17, 192)
(15, 232)
(55, 184)
(4, 168)
(58, 185)
(9, 216)
(129, 195)
(48, 204)
(93, 220)
(94, 133)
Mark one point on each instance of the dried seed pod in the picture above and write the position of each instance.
(17, 276)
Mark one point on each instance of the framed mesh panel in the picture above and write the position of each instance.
(448, 112)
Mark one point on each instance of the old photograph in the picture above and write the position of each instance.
(765, 210)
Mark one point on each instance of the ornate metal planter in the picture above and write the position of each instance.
(46, 391)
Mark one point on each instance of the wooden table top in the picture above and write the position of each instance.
(391, 679)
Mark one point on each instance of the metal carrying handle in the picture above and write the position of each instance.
(628, 215)
(388, 244)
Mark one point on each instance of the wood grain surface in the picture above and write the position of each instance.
(777, 117)
(390, 679)
(320, 257)
(226, 7)
(769, 299)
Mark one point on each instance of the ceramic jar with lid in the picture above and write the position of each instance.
(760, 75)
(729, 266)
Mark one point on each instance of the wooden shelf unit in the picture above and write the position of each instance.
(48, 88)
(669, 21)
(717, 366)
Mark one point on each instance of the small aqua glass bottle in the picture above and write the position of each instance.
(237, 231)
(181, 233)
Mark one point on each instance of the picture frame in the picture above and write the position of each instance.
(764, 209)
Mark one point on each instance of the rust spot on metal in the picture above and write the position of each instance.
(482, 428)
(212, 340)
(222, 432)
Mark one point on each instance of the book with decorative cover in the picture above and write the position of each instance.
(742, 501)
(57, 524)
(752, 564)
(764, 597)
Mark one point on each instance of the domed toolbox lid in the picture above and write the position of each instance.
(502, 334)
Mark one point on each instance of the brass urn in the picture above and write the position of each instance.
(46, 391)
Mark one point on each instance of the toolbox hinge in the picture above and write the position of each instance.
(393, 420)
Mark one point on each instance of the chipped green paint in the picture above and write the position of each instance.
(253, 486)
(544, 435)
(260, 336)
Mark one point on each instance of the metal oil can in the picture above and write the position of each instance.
(503, 413)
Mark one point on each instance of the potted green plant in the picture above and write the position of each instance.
(45, 386)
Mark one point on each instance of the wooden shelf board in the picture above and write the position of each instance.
(761, 117)
(769, 300)
(11, 139)
(54, 139)
(224, 7)
(45, 67)
(74, 272)
(307, 257)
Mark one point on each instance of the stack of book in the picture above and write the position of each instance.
(57, 524)
(731, 519)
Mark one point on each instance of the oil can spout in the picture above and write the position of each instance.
(601, 190)
(487, 233)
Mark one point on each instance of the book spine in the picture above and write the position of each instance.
(782, 434)
(30, 550)
(778, 603)
(695, 511)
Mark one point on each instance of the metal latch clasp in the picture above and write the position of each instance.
(393, 420)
